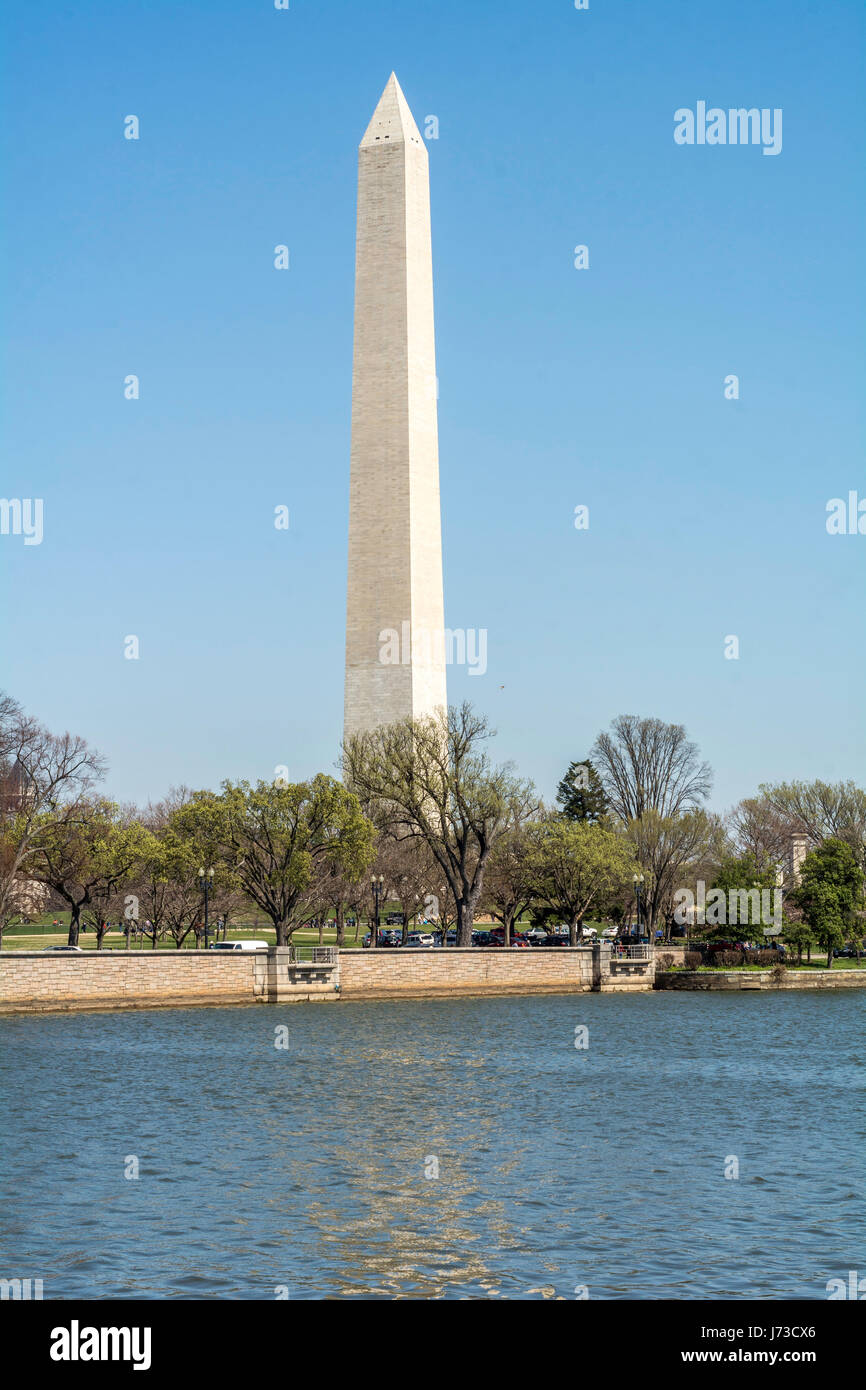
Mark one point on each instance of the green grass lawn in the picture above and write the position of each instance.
(53, 930)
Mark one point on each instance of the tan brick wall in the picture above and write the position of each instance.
(376, 973)
(35, 981)
(118, 978)
(677, 949)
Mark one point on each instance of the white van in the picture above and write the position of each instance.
(239, 946)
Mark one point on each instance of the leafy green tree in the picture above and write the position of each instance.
(740, 874)
(168, 888)
(274, 835)
(578, 865)
(799, 936)
(85, 860)
(195, 838)
(830, 893)
(581, 795)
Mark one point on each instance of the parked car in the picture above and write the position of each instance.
(65, 949)
(238, 946)
(420, 938)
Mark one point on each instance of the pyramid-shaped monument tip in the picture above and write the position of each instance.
(393, 122)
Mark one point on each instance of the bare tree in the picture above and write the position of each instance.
(45, 779)
(409, 872)
(756, 828)
(431, 779)
(821, 811)
(667, 847)
(647, 765)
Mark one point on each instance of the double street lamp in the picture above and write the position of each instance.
(637, 879)
(378, 887)
(206, 880)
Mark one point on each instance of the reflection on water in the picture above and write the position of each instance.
(557, 1167)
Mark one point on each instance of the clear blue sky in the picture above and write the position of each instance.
(558, 387)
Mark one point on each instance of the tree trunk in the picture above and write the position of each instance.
(465, 918)
(101, 929)
(74, 925)
(573, 928)
(341, 924)
(282, 933)
(321, 930)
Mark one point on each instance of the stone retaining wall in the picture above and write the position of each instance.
(40, 981)
(36, 981)
(759, 979)
(677, 949)
(124, 979)
(384, 973)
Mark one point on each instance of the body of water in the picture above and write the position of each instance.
(462, 1148)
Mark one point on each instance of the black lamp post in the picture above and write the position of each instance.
(637, 880)
(378, 887)
(206, 881)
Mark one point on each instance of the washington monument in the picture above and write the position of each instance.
(395, 659)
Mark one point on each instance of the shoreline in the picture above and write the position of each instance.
(41, 983)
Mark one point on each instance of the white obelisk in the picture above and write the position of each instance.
(395, 658)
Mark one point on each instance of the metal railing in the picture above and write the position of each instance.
(638, 952)
(315, 955)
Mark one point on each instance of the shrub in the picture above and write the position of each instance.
(693, 960)
(666, 961)
(762, 957)
(728, 959)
